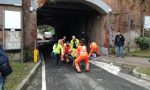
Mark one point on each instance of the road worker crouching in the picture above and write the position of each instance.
(81, 55)
(67, 52)
(94, 49)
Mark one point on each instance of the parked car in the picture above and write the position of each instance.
(39, 37)
(47, 35)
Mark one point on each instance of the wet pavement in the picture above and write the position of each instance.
(36, 83)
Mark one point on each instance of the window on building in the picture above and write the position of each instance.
(147, 23)
(13, 19)
(11, 2)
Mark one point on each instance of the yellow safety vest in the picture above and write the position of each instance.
(57, 48)
(76, 43)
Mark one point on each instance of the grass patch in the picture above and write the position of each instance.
(20, 70)
(144, 70)
(142, 53)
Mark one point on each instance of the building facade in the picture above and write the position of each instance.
(11, 27)
(126, 16)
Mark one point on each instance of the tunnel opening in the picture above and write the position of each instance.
(68, 18)
(45, 32)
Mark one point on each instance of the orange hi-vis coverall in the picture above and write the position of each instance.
(94, 47)
(67, 51)
(82, 55)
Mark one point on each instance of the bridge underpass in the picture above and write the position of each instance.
(67, 18)
(70, 18)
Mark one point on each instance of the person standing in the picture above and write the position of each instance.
(85, 37)
(5, 68)
(55, 39)
(2, 78)
(74, 44)
(64, 39)
(119, 44)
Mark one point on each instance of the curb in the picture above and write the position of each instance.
(140, 75)
(24, 83)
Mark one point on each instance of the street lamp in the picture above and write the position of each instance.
(110, 10)
(110, 27)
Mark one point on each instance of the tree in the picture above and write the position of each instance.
(46, 28)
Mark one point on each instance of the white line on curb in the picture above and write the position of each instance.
(43, 76)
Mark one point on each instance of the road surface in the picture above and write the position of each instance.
(65, 78)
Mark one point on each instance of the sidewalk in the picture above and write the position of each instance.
(131, 61)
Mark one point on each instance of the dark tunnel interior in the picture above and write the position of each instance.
(68, 18)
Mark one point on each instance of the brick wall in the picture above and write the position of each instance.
(126, 17)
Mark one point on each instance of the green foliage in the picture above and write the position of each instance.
(140, 53)
(46, 28)
(143, 42)
(20, 71)
(144, 70)
(28, 54)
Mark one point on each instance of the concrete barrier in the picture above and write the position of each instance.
(140, 75)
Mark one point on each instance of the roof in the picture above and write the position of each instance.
(11, 2)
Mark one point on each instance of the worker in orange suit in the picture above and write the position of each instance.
(82, 55)
(62, 53)
(67, 51)
(94, 48)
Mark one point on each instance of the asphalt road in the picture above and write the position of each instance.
(65, 78)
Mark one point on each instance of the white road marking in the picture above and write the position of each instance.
(108, 67)
(116, 71)
(43, 76)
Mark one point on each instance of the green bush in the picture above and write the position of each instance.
(28, 54)
(143, 42)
